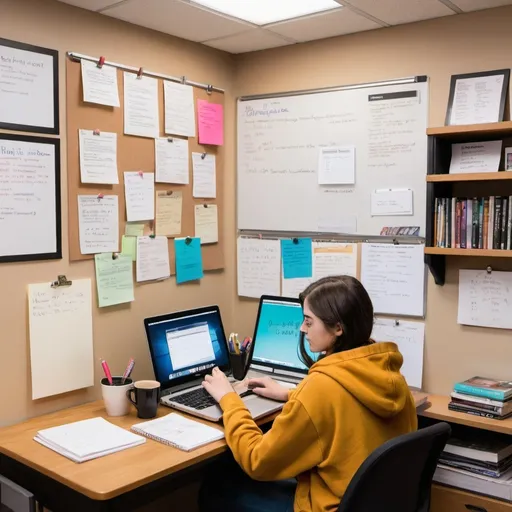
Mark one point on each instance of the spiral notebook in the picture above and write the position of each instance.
(178, 431)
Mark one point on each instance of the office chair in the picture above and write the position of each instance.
(397, 476)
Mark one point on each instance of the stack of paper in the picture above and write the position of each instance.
(87, 439)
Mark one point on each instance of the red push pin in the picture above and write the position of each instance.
(101, 62)
(140, 73)
(141, 174)
(96, 132)
(100, 196)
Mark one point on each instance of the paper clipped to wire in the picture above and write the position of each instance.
(99, 84)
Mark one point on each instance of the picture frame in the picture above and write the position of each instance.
(466, 104)
(29, 96)
(508, 159)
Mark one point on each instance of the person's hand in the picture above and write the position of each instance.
(217, 384)
(268, 388)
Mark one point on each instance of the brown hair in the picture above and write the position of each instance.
(343, 301)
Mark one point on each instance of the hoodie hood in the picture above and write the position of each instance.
(371, 374)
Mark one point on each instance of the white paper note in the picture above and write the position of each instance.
(259, 267)
(61, 343)
(205, 181)
(394, 276)
(98, 224)
(410, 338)
(334, 259)
(392, 201)
(476, 157)
(152, 258)
(26, 88)
(27, 198)
(98, 157)
(180, 116)
(139, 189)
(206, 223)
(337, 165)
(141, 106)
(172, 161)
(168, 213)
(295, 286)
(100, 84)
(477, 100)
(485, 299)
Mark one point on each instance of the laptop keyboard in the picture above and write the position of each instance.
(200, 399)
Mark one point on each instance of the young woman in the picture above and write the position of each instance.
(352, 401)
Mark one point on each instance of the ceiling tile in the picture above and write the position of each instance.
(337, 23)
(91, 5)
(250, 41)
(396, 12)
(476, 5)
(177, 18)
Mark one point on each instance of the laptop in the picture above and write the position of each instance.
(276, 341)
(184, 347)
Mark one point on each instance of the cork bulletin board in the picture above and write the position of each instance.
(134, 154)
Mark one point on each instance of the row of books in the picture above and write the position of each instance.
(473, 223)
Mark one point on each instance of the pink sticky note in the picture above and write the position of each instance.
(210, 119)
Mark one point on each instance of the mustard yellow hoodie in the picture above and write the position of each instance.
(348, 405)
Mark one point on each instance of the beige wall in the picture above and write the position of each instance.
(437, 48)
(118, 331)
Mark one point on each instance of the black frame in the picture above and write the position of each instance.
(180, 314)
(56, 122)
(504, 90)
(57, 255)
(273, 366)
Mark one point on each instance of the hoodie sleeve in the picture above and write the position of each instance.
(289, 448)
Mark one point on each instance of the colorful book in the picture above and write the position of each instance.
(488, 388)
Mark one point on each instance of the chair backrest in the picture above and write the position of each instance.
(14, 498)
(398, 475)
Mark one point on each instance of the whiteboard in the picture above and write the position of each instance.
(279, 143)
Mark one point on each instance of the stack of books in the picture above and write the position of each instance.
(473, 223)
(481, 396)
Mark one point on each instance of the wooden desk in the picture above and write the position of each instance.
(119, 481)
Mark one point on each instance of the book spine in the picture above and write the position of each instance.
(482, 414)
(469, 225)
(474, 227)
(486, 224)
(436, 217)
(442, 236)
(509, 223)
(497, 223)
(448, 223)
(453, 220)
(457, 223)
(463, 222)
(476, 406)
(504, 217)
(490, 226)
(472, 390)
(481, 223)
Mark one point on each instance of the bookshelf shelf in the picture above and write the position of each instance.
(476, 176)
(444, 251)
(472, 130)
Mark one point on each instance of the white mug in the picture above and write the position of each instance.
(114, 396)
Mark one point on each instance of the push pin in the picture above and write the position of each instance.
(203, 156)
(101, 62)
(140, 73)
(295, 241)
(209, 89)
(169, 192)
(397, 323)
(115, 255)
(96, 132)
(170, 139)
(100, 196)
(489, 269)
(188, 240)
(141, 174)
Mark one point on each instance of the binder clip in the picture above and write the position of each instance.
(169, 192)
(140, 73)
(209, 89)
(141, 174)
(183, 80)
(295, 241)
(489, 269)
(96, 132)
(397, 323)
(101, 61)
(115, 255)
(188, 240)
(61, 281)
(203, 156)
(395, 241)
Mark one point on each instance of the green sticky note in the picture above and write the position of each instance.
(114, 279)
(129, 246)
(133, 229)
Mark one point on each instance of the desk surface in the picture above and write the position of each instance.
(106, 477)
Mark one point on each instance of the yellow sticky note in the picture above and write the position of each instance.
(134, 229)
(206, 223)
(168, 213)
(129, 246)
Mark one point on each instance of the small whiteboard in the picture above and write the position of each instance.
(30, 206)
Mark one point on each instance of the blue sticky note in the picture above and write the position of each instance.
(297, 255)
(189, 261)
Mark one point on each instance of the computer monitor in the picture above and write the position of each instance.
(186, 344)
(277, 334)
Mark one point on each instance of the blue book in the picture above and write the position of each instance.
(488, 388)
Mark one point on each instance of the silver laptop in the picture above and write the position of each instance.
(184, 347)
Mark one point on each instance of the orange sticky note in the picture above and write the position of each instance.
(210, 120)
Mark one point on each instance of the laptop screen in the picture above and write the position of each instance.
(276, 338)
(186, 343)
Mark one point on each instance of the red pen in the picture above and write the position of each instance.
(106, 369)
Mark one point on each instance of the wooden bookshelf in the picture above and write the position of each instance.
(472, 130)
(473, 176)
(446, 251)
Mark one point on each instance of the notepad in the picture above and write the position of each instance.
(179, 432)
(88, 439)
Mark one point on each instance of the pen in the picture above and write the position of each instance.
(106, 369)
(237, 344)
(129, 369)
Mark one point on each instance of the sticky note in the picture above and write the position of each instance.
(297, 256)
(210, 118)
(134, 229)
(114, 279)
(189, 261)
(129, 247)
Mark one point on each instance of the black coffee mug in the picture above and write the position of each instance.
(145, 396)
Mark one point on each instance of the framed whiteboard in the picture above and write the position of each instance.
(29, 88)
(282, 136)
(30, 202)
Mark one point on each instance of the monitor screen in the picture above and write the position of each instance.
(186, 344)
(277, 334)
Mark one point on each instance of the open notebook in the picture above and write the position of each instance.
(178, 431)
(88, 439)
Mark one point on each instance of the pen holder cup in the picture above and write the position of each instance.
(114, 396)
(239, 365)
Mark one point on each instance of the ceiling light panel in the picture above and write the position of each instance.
(262, 12)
